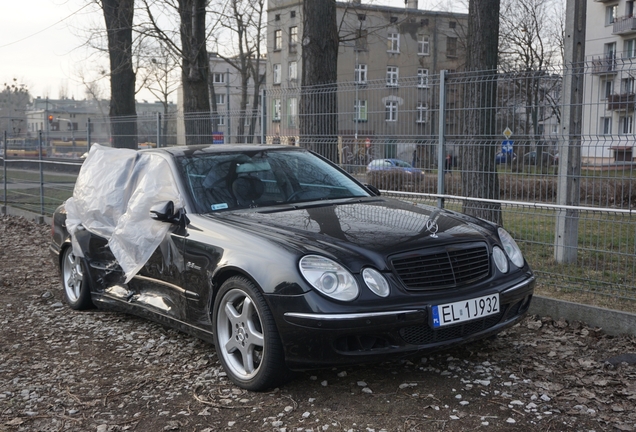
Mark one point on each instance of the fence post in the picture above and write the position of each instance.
(4, 163)
(41, 174)
(441, 152)
(263, 116)
(158, 129)
(227, 114)
(568, 189)
(88, 135)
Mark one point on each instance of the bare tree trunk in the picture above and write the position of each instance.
(118, 15)
(318, 111)
(195, 72)
(479, 174)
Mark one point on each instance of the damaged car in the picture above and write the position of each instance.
(281, 259)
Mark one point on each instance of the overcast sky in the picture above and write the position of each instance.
(41, 42)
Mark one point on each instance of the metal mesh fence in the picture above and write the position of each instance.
(409, 137)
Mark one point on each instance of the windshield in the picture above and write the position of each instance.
(223, 181)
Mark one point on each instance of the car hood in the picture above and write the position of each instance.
(371, 226)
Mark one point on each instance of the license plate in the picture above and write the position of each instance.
(465, 310)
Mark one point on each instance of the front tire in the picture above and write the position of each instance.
(75, 281)
(246, 337)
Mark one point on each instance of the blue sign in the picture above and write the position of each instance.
(506, 146)
(217, 138)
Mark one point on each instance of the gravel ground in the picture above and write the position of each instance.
(62, 370)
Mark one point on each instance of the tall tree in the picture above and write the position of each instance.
(118, 15)
(318, 111)
(479, 174)
(188, 44)
(14, 98)
(195, 70)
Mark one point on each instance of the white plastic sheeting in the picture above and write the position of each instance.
(115, 191)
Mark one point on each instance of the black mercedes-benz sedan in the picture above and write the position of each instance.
(281, 259)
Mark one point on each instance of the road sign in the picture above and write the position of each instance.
(507, 146)
(507, 133)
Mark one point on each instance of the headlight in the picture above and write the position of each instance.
(499, 257)
(511, 248)
(329, 277)
(376, 282)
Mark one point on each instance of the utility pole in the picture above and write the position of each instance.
(568, 189)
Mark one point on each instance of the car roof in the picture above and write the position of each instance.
(222, 148)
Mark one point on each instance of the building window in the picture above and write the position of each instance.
(220, 99)
(423, 45)
(611, 13)
(608, 88)
(627, 85)
(393, 42)
(293, 35)
(278, 40)
(361, 40)
(629, 46)
(360, 74)
(293, 70)
(422, 78)
(392, 76)
(276, 110)
(292, 14)
(606, 125)
(451, 47)
(277, 17)
(221, 120)
(277, 74)
(452, 24)
(424, 22)
(360, 110)
(292, 112)
(625, 125)
(421, 112)
(391, 111)
(219, 78)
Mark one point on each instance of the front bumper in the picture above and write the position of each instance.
(321, 339)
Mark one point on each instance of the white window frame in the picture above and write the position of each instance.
(220, 98)
(627, 85)
(361, 111)
(276, 110)
(221, 119)
(422, 78)
(606, 126)
(629, 48)
(293, 35)
(277, 73)
(393, 42)
(422, 112)
(611, 14)
(625, 125)
(392, 76)
(607, 89)
(293, 70)
(218, 78)
(391, 111)
(360, 74)
(423, 45)
(292, 112)
(278, 40)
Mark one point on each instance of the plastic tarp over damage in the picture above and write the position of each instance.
(115, 191)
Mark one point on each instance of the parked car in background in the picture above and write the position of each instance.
(504, 158)
(281, 259)
(392, 164)
(530, 158)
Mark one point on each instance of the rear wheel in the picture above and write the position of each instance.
(246, 337)
(75, 281)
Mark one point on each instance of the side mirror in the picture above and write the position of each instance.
(373, 189)
(168, 215)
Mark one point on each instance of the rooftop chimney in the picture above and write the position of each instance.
(411, 4)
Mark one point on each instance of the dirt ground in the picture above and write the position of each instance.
(62, 370)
